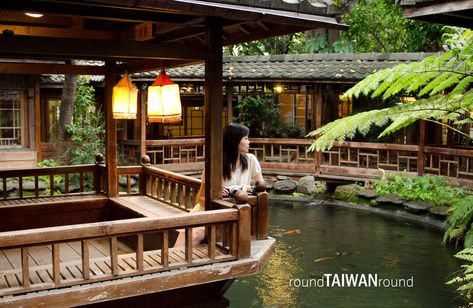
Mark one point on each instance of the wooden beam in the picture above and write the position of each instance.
(113, 10)
(60, 32)
(134, 66)
(98, 49)
(438, 8)
(50, 68)
(213, 112)
(111, 131)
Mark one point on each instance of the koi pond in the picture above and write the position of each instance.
(331, 256)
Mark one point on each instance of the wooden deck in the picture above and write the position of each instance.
(83, 248)
(182, 277)
(40, 257)
(147, 206)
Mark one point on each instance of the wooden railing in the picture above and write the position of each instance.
(369, 159)
(231, 222)
(52, 181)
(181, 191)
(357, 159)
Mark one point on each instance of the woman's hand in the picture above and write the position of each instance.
(225, 192)
(247, 188)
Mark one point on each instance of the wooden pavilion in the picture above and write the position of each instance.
(100, 245)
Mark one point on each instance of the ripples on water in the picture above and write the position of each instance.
(313, 240)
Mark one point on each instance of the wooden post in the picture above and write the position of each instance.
(318, 124)
(244, 230)
(421, 153)
(37, 108)
(213, 111)
(229, 103)
(263, 216)
(143, 124)
(111, 131)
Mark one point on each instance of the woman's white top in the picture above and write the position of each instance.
(238, 177)
(245, 177)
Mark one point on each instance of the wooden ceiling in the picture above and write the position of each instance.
(144, 34)
(448, 12)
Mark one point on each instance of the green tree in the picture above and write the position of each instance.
(87, 128)
(441, 84)
(379, 26)
(374, 26)
(261, 115)
(284, 44)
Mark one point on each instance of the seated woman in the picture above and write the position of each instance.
(240, 168)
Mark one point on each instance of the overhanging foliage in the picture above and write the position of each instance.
(441, 84)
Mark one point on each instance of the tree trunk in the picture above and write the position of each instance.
(65, 116)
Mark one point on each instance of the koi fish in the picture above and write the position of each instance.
(292, 231)
(323, 259)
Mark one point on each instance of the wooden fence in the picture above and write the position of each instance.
(356, 159)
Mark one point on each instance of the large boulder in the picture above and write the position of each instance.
(122, 181)
(10, 187)
(30, 185)
(285, 186)
(306, 185)
(349, 189)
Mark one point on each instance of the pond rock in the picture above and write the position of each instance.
(269, 185)
(30, 186)
(347, 190)
(122, 181)
(390, 199)
(306, 185)
(417, 206)
(368, 193)
(62, 188)
(10, 187)
(282, 178)
(439, 211)
(285, 186)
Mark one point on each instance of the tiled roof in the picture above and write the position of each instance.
(313, 67)
(329, 66)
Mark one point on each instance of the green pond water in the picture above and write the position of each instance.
(319, 244)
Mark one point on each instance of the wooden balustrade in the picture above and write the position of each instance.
(51, 181)
(174, 189)
(353, 158)
(369, 159)
(121, 261)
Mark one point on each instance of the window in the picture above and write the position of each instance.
(296, 110)
(53, 117)
(11, 133)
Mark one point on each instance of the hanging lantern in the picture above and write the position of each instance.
(164, 101)
(125, 99)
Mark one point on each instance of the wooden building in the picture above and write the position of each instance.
(306, 87)
(104, 245)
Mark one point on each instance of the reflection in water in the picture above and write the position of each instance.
(314, 240)
(273, 288)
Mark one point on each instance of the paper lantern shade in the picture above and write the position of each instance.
(164, 101)
(125, 99)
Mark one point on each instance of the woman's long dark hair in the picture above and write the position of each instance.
(232, 135)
